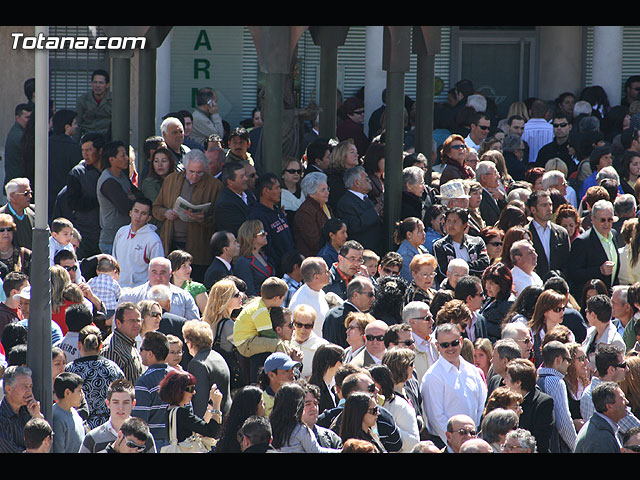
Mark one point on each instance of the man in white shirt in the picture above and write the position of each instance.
(452, 386)
(315, 275)
(418, 316)
(524, 259)
(136, 244)
(537, 131)
(480, 125)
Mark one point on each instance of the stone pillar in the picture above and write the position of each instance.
(375, 77)
(560, 67)
(121, 89)
(607, 61)
(163, 81)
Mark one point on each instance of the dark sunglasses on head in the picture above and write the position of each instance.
(455, 343)
(377, 338)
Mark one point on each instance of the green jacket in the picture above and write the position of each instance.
(93, 117)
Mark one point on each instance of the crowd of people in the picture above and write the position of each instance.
(207, 305)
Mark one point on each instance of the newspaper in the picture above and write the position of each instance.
(181, 206)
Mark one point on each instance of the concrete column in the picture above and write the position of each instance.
(375, 76)
(560, 68)
(607, 60)
(328, 90)
(121, 88)
(146, 101)
(163, 81)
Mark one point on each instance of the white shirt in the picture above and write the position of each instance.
(471, 144)
(308, 348)
(448, 391)
(537, 133)
(544, 234)
(461, 252)
(306, 295)
(522, 280)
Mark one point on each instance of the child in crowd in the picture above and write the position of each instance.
(253, 333)
(61, 236)
(371, 260)
(68, 427)
(105, 285)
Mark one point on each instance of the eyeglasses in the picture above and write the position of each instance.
(156, 314)
(560, 125)
(373, 411)
(605, 220)
(26, 193)
(190, 389)
(458, 147)
(388, 271)
(6, 229)
(371, 388)
(71, 268)
(526, 341)
(354, 259)
(368, 294)
(237, 294)
(507, 448)
(495, 244)
(559, 309)
(426, 318)
(197, 174)
(132, 444)
(470, 432)
(446, 345)
(581, 358)
(293, 171)
(483, 127)
(376, 338)
(261, 233)
(306, 326)
(358, 112)
(633, 448)
(407, 343)
(622, 365)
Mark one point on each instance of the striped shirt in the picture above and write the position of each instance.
(124, 352)
(148, 406)
(552, 384)
(12, 428)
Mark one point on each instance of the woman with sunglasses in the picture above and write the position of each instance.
(492, 237)
(252, 265)
(290, 433)
(326, 362)
(17, 259)
(359, 418)
(292, 195)
(576, 379)
(454, 152)
(177, 389)
(395, 400)
(151, 313)
(548, 313)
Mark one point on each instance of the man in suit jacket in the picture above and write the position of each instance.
(598, 435)
(594, 254)
(504, 350)
(550, 241)
(469, 290)
(537, 407)
(493, 200)
(360, 296)
(232, 206)
(374, 347)
(224, 248)
(363, 219)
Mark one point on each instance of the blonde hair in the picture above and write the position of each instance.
(59, 280)
(218, 303)
(305, 311)
(198, 333)
(246, 235)
(339, 153)
(7, 220)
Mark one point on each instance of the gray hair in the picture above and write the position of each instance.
(447, 328)
(195, 155)
(581, 107)
(604, 394)
(516, 249)
(511, 143)
(511, 330)
(607, 172)
(14, 185)
(624, 292)
(551, 179)
(498, 422)
(485, 167)
(12, 373)
(524, 438)
(160, 260)
(159, 293)
(518, 194)
(312, 266)
(477, 102)
(352, 174)
(457, 262)
(507, 348)
(412, 310)
(167, 122)
(601, 205)
(412, 175)
(311, 182)
(624, 204)
(357, 284)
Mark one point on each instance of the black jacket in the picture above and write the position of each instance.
(363, 222)
(230, 211)
(537, 417)
(559, 247)
(333, 328)
(585, 259)
(444, 252)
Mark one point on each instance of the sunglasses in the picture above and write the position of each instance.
(495, 244)
(622, 365)
(307, 326)
(458, 147)
(190, 389)
(293, 171)
(446, 345)
(633, 448)
(368, 294)
(464, 431)
(560, 125)
(373, 410)
(377, 338)
(388, 271)
(371, 388)
(72, 268)
(6, 229)
(559, 309)
(483, 127)
(132, 444)
(26, 193)
(408, 343)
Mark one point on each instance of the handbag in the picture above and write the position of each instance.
(235, 375)
(196, 443)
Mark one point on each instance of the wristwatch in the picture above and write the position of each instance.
(213, 411)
